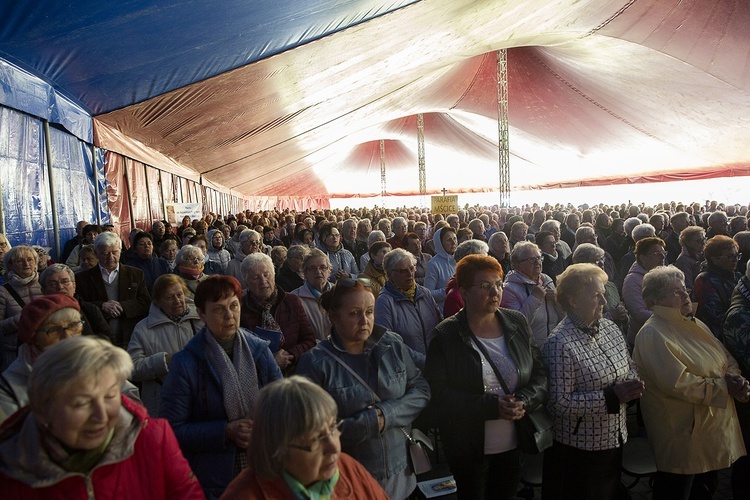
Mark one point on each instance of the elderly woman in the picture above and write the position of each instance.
(316, 269)
(4, 247)
(380, 402)
(650, 253)
(190, 267)
(295, 450)
(43, 260)
(216, 251)
(374, 270)
(88, 235)
(453, 299)
(531, 292)
(713, 287)
(145, 259)
(81, 438)
(265, 306)
(693, 242)
(290, 275)
(210, 390)
(442, 266)
(588, 253)
(169, 326)
(342, 260)
(500, 250)
(413, 244)
(168, 253)
(21, 286)
(209, 267)
(44, 322)
(475, 413)
(59, 278)
(88, 258)
(691, 381)
(591, 379)
(405, 307)
(374, 236)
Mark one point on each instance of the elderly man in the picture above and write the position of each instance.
(349, 235)
(118, 290)
(290, 276)
(679, 222)
(250, 242)
(500, 250)
(74, 241)
(553, 226)
(718, 224)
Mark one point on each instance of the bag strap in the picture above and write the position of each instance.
(351, 370)
(483, 350)
(12, 291)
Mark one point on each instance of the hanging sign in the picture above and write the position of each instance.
(444, 204)
(177, 211)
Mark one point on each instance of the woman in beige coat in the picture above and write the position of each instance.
(691, 381)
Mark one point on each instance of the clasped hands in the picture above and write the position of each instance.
(738, 387)
(240, 431)
(510, 408)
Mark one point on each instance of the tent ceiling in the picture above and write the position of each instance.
(290, 98)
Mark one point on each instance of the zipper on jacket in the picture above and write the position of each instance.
(89, 487)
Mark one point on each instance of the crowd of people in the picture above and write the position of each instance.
(286, 354)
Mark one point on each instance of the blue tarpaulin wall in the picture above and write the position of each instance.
(26, 188)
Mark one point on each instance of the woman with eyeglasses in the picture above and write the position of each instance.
(691, 384)
(44, 322)
(378, 389)
(650, 253)
(295, 451)
(315, 268)
(404, 306)
(209, 395)
(475, 414)
(21, 286)
(713, 287)
(530, 291)
(591, 380)
(189, 267)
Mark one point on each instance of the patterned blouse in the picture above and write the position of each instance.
(584, 364)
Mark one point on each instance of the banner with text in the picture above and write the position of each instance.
(444, 204)
(177, 211)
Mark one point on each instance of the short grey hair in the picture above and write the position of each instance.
(67, 363)
(245, 235)
(521, 250)
(16, 252)
(107, 239)
(376, 235)
(657, 281)
(585, 232)
(398, 220)
(643, 231)
(315, 253)
(575, 278)
(54, 269)
(296, 251)
(546, 225)
(395, 256)
(188, 251)
(587, 253)
(471, 247)
(630, 224)
(286, 410)
(253, 260)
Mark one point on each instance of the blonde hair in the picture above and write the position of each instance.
(575, 278)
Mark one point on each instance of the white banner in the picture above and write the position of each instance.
(177, 211)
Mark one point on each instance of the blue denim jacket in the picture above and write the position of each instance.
(401, 388)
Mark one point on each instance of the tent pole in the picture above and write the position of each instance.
(130, 196)
(421, 159)
(382, 173)
(502, 127)
(161, 197)
(51, 177)
(97, 200)
(148, 196)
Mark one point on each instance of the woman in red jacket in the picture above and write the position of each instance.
(80, 438)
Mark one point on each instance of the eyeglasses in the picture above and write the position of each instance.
(732, 256)
(600, 262)
(59, 331)
(657, 254)
(318, 269)
(333, 432)
(407, 270)
(350, 282)
(487, 286)
(680, 292)
(253, 243)
(4, 244)
(533, 260)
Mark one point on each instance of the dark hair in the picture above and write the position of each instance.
(143, 234)
(539, 238)
(645, 244)
(199, 237)
(376, 247)
(90, 227)
(407, 237)
(471, 265)
(325, 229)
(332, 299)
(215, 288)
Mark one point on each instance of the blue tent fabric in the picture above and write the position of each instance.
(108, 55)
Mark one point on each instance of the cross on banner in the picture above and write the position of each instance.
(444, 191)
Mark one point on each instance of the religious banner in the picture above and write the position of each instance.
(177, 211)
(444, 204)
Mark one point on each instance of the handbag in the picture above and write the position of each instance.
(534, 429)
(420, 461)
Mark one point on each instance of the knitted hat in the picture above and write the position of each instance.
(36, 312)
